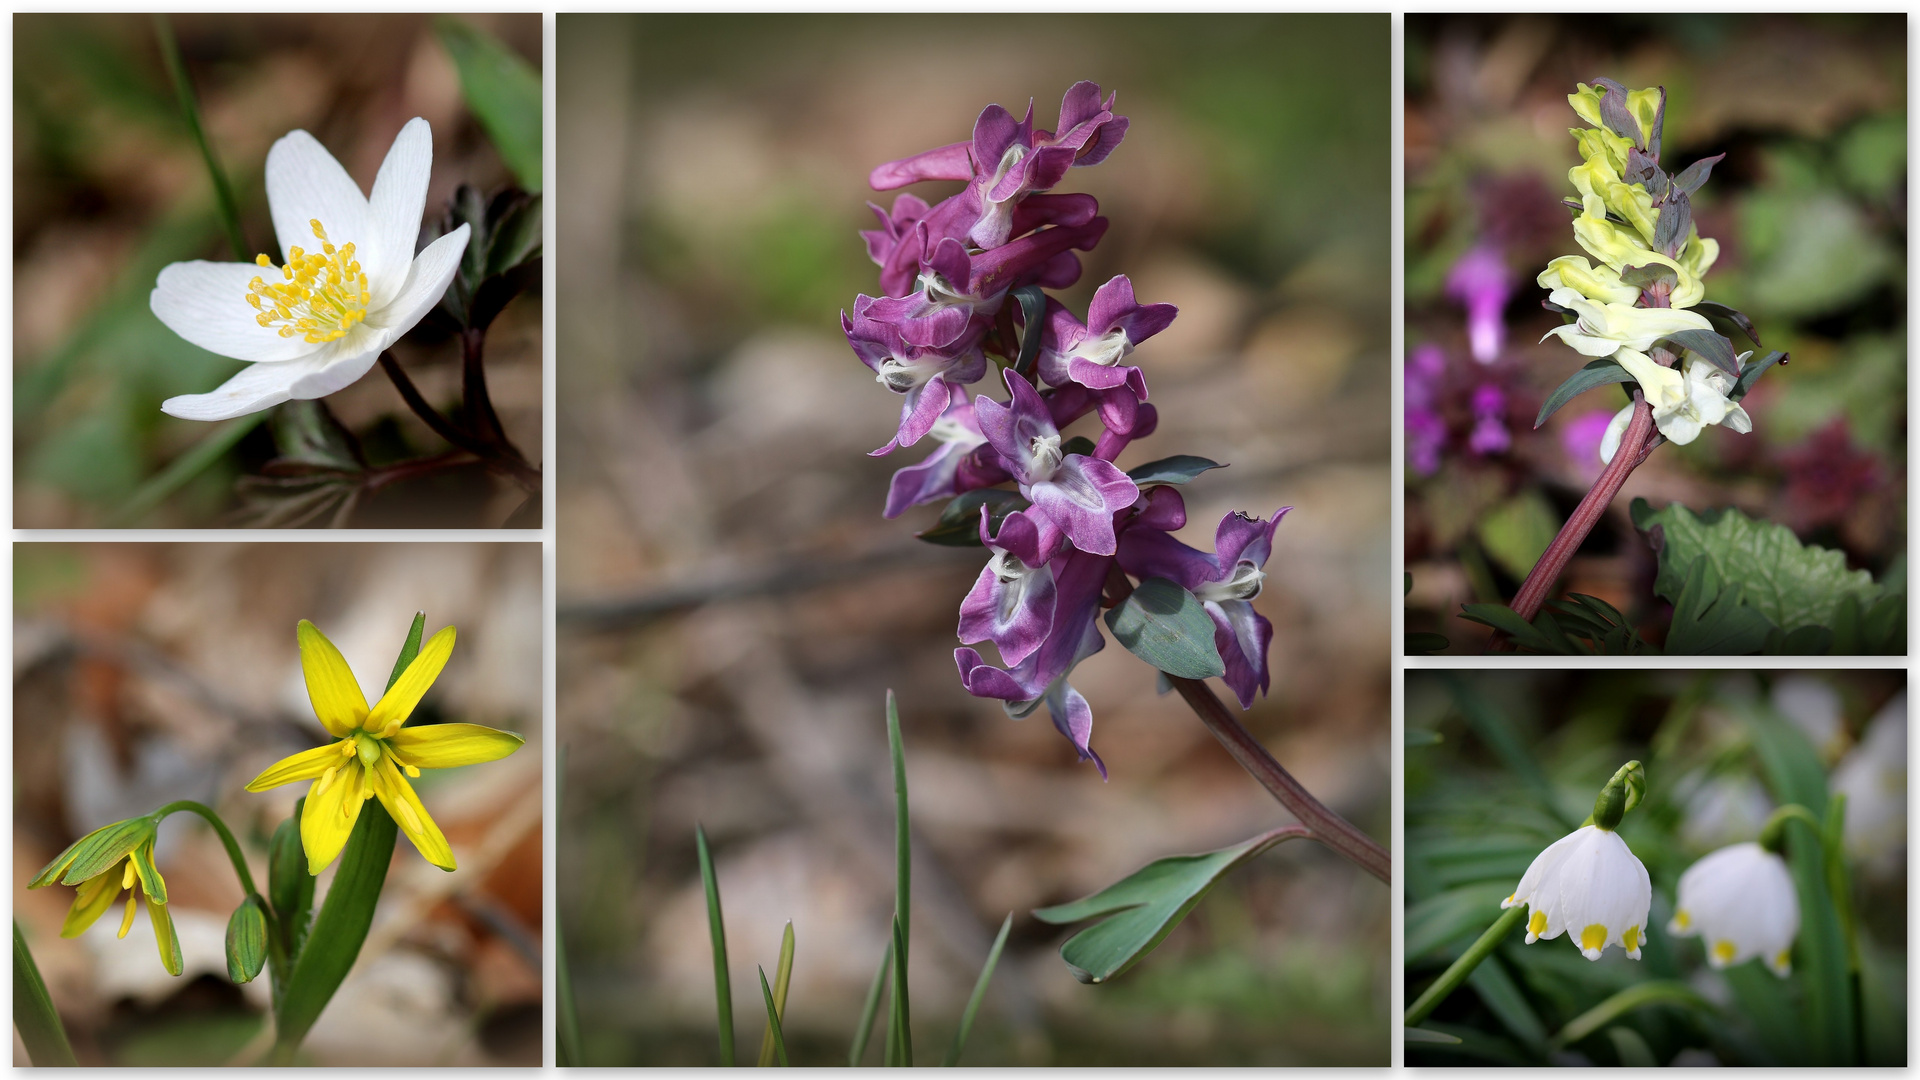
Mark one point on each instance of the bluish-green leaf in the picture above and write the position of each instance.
(1033, 307)
(247, 940)
(1178, 469)
(1145, 906)
(1601, 372)
(1715, 349)
(504, 93)
(959, 524)
(1752, 372)
(1166, 626)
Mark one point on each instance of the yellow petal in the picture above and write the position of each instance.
(336, 697)
(444, 746)
(333, 805)
(305, 765)
(397, 703)
(398, 797)
(163, 935)
(94, 896)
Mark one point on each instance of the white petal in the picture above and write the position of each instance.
(1680, 428)
(1738, 420)
(426, 283)
(256, 387)
(1616, 430)
(399, 197)
(304, 182)
(206, 303)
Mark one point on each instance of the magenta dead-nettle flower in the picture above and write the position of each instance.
(947, 274)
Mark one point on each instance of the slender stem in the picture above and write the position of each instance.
(510, 463)
(480, 412)
(1457, 973)
(1632, 451)
(226, 837)
(1328, 827)
(190, 111)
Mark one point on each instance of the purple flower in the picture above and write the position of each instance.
(1426, 436)
(1482, 284)
(1426, 430)
(1079, 494)
(1091, 353)
(942, 308)
(1581, 441)
(1042, 675)
(930, 379)
(1224, 582)
(1490, 434)
(1012, 602)
(939, 476)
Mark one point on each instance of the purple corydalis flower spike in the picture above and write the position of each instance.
(1225, 582)
(1091, 354)
(930, 379)
(1482, 284)
(1079, 493)
(1012, 602)
(940, 475)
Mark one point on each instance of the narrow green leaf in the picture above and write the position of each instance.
(901, 1017)
(503, 91)
(1820, 952)
(1709, 346)
(247, 940)
(1634, 997)
(773, 1022)
(289, 886)
(959, 524)
(1146, 906)
(900, 1041)
(1445, 917)
(408, 649)
(1597, 373)
(782, 973)
(1178, 469)
(979, 993)
(1506, 620)
(190, 113)
(1423, 737)
(1428, 1035)
(34, 1016)
(1504, 998)
(1033, 309)
(340, 929)
(1166, 626)
(1751, 374)
(159, 487)
(1421, 643)
(717, 933)
(1633, 1051)
(870, 1008)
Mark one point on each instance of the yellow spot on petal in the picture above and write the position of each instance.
(322, 295)
(1783, 961)
(1683, 920)
(1632, 938)
(1537, 923)
(1723, 951)
(1593, 938)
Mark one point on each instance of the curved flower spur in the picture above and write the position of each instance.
(348, 287)
(964, 286)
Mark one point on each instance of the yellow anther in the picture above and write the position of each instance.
(317, 230)
(126, 922)
(127, 879)
(261, 260)
(321, 294)
(326, 778)
(413, 772)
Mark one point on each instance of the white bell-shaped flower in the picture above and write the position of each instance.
(350, 284)
(1741, 900)
(1589, 886)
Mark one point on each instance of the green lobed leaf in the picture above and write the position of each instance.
(1506, 620)
(1146, 906)
(1600, 372)
(247, 940)
(1791, 583)
(1709, 618)
(1178, 469)
(1166, 626)
(959, 524)
(503, 91)
(34, 1016)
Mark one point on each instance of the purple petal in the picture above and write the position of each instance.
(1243, 636)
(1073, 717)
(931, 480)
(922, 409)
(1011, 604)
(948, 162)
(1240, 538)
(1150, 552)
(982, 679)
(1164, 510)
(1082, 498)
(996, 270)
(1035, 211)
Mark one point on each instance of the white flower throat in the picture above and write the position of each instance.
(1046, 456)
(321, 294)
(1243, 584)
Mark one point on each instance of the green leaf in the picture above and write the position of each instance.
(899, 1020)
(289, 886)
(1752, 372)
(782, 976)
(1508, 1003)
(1710, 347)
(1428, 1035)
(1792, 584)
(1166, 626)
(979, 993)
(1597, 373)
(1518, 531)
(1421, 643)
(959, 524)
(340, 929)
(408, 649)
(1079, 444)
(504, 93)
(34, 1016)
(1733, 317)
(1033, 309)
(1508, 621)
(247, 940)
(1632, 1050)
(1423, 737)
(1445, 917)
(870, 1008)
(1709, 619)
(1634, 997)
(1178, 469)
(717, 934)
(1145, 907)
(774, 1033)
(308, 438)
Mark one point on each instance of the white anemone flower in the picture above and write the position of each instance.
(349, 287)
(1741, 900)
(1701, 403)
(1589, 886)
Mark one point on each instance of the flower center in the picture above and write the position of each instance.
(940, 292)
(320, 296)
(1046, 456)
(1108, 349)
(900, 376)
(1243, 584)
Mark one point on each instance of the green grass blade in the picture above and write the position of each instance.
(722, 986)
(979, 993)
(408, 649)
(870, 1009)
(773, 1021)
(340, 929)
(902, 839)
(902, 1017)
(781, 975)
(1624, 1002)
(161, 486)
(190, 112)
(503, 91)
(34, 1016)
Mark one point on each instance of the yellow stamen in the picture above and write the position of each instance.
(326, 781)
(1593, 937)
(126, 923)
(1723, 951)
(127, 879)
(322, 295)
(1537, 924)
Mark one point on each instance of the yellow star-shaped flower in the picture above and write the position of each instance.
(375, 753)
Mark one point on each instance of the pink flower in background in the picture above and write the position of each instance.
(1482, 284)
(1490, 434)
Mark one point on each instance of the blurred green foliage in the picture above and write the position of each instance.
(1520, 758)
